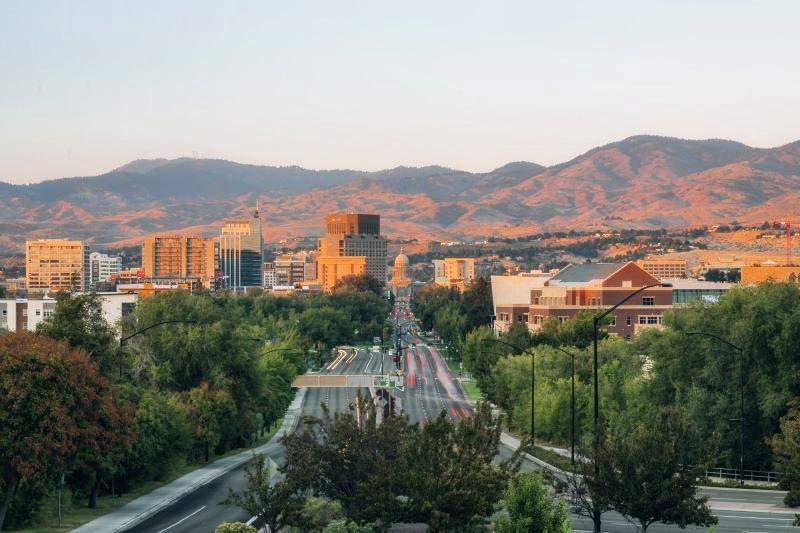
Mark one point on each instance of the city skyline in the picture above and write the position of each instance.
(93, 86)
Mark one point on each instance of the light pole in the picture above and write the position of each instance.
(533, 380)
(572, 430)
(597, 320)
(741, 393)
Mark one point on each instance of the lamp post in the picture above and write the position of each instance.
(123, 340)
(572, 430)
(533, 381)
(597, 320)
(741, 393)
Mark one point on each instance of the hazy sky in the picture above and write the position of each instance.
(87, 86)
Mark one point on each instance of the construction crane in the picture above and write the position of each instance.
(787, 225)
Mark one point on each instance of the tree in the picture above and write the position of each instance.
(276, 505)
(78, 319)
(531, 508)
(454, 482)
(480, 356)
(209, 411)
(163, 437)
(326, 325)
(786, 446)
(358, 283)
(650, 471)
(49, 396)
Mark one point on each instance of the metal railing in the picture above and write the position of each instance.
(761, 476)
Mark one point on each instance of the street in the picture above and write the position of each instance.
(430, 388)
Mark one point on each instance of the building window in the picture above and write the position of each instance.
(648, 300)
(38, 312)
(650, 320)
(627, 321)
(628, 338)
(613, 320)
(562, 319)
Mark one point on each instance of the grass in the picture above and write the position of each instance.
(472, 390)
(76, 516)
(550, 457)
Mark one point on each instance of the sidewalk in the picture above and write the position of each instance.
(149, 504)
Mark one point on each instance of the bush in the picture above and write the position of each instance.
(235, 527)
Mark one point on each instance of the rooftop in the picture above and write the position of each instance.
(586, 272)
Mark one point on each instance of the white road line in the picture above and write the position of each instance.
(250, 522)
(182, 520)
(754, 518)
(372, 354)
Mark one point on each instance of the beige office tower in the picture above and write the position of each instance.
(57, 265)
(179, 257)
(354, 235)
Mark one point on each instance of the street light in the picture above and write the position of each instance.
(741, 393)
(123, 340)
(533, 380)
(597, 320)
(572, 431)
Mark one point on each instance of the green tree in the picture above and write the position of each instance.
(786, 446)
(646, 474)
(276, 505)
(702, 374)
(480, 356)
(78, 319)
(454, 481)
(326, 325)
(49, 396)
(359, 283)
(531, 508)
(163, 437)
(209, 411)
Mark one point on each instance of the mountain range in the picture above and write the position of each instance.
(639, 182)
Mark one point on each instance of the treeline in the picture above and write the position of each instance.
(695, 375)
(110, 418)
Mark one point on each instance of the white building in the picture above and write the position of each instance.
(26, 313)
(103, 266)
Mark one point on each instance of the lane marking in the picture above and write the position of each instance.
(250, 522)
(182, 520)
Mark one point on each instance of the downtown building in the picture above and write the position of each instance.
(454, 272)
(177, 257)
(241, 254)
(103, 267)
(290, 270)
(57, 265)
(352, 245)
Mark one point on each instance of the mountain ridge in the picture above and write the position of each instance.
(640, 181)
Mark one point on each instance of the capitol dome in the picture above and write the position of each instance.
(401, 260)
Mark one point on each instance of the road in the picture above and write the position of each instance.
(430, 389)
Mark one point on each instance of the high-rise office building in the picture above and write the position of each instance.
(57, 265)
(103, 266)
(355, 235)
(179, 257)
(241, 253)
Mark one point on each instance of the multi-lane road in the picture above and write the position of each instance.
(429, 389)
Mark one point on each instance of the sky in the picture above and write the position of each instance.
(88, 86)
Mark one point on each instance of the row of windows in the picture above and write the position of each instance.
(539, 319)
